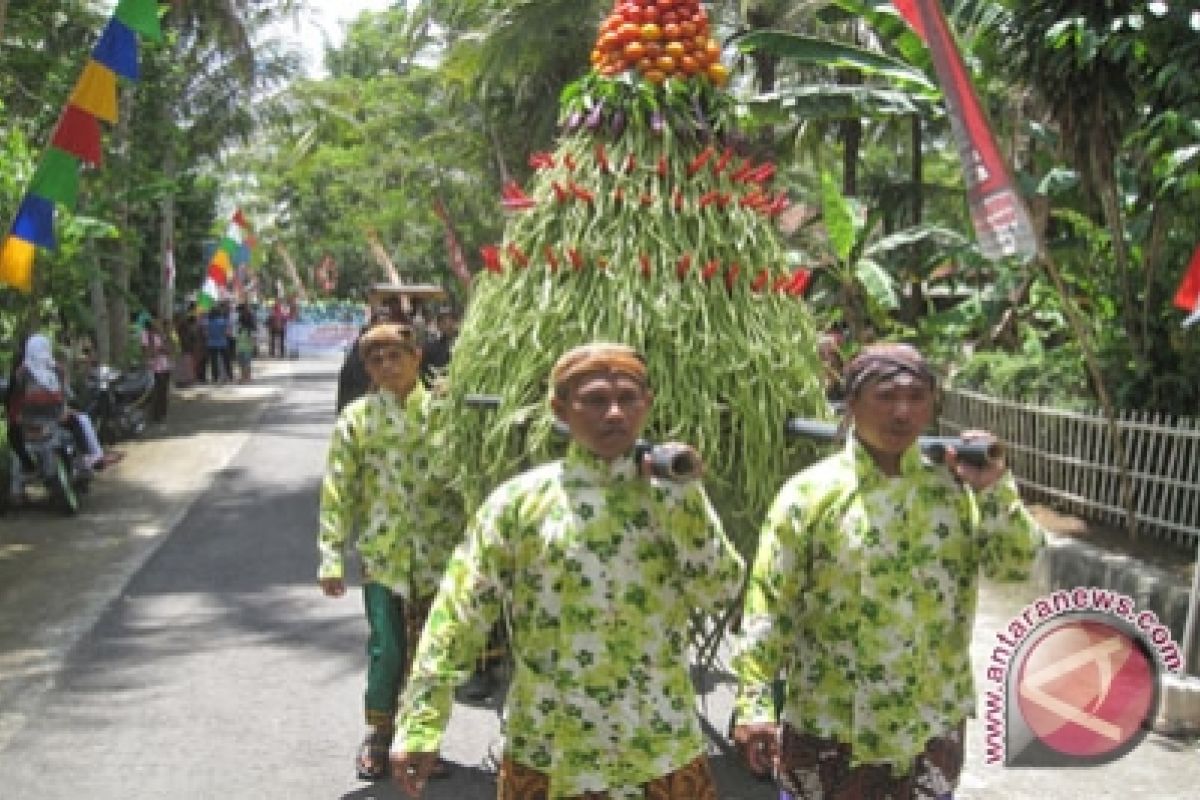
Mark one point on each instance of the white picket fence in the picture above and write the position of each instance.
(1067, 458)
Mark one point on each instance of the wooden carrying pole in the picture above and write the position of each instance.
(291, 267)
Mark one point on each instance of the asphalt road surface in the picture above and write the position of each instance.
(172, 642)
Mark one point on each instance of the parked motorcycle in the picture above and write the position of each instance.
(59, 472)
(117, 402)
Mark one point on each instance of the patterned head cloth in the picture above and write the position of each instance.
(388, 334)
(880, 362)
(597, 357)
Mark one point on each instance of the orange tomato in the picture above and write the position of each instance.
(671, 31)
(609, 41)
(653, 49)
(665, 64)
(628, 32)
(651, 32)
(596, 57)
(635, 51)
(688, 65)
(713, 51)
(654, 76)
(687, 29)
(674, 49)
(645, 64)
(718, 74)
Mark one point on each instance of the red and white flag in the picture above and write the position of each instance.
(1001, 221)
(1187, 296)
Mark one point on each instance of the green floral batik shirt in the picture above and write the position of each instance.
(862, 597)
(597, 571)
(379, 483)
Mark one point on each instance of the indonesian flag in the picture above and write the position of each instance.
(1001, 222)
(1187, 296)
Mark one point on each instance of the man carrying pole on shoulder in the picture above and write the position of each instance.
(597, 571)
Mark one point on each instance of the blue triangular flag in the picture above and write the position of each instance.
(118, 49)
(35, 221)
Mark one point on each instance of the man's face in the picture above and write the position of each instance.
(605, 412)
(890, 414)
(393, 367)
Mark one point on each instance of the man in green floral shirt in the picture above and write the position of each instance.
(862, 598)
(378, 486)
(596, 570)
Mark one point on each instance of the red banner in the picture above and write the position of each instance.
(458, 260)
(1001, 222)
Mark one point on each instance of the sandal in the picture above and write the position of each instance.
(371, 764)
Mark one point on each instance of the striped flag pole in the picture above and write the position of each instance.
(1001, 221)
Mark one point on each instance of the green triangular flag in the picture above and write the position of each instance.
(141, 16)
(57, 177)
(229, 246)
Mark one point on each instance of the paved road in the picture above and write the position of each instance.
(172, 642)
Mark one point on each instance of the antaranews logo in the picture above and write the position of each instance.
(1073, 680)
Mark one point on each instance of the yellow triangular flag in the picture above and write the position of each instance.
(16, 263)
(221, 260)
(96, 92)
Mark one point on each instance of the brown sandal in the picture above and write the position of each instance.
(371, 763)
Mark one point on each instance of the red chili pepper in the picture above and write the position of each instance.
(514, 199)
(602, 263)
(576, 259)
(645, 265)
(618, 195)
(781, 283)
(677, 200)
(762, 173)
(601, 157)
(754, 199)
(778, 205)
(551, 259)
(697, 163)
(683, 265)
(491, 258)
(799, 282)
(541, 160)
(731, 276)
(569, 160)
(582, 193)
(708, 198)
(723, 161)
(517, 255)
(662, 166)
(647, 199)
(560, 194)
(709, 270)
(741, 172)
(760, 280)
(723, 200)
(630, 163)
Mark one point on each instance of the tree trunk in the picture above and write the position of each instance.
(3, 14)
(118, 303)
(166, 231)
(916, 183)
(100, 311)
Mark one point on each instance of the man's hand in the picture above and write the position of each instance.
(333, 587)
(412, 770)
(978, 478)
(759, 745)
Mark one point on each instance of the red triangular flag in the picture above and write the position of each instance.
(78, 133)
(1189, 288)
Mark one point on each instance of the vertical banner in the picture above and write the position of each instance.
(1001, 221)
(1187, 295)
(454, 251)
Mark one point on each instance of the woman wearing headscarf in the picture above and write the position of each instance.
(39, 381)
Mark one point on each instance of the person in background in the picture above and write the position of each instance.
(378, 488)
(435, 356)
(863, 594)
(36, 379)
(244, 342)
(185, 337)
(598, 571)
(156, 353)
(353, 380)
(217, 339)
(277, 321)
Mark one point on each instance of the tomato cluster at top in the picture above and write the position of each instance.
(659, 39)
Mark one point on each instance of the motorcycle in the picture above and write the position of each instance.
(117, 402)
(59, 468)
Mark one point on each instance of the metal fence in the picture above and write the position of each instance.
(1067, 458)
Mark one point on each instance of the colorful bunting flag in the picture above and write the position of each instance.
(16, 263)
(76, 137)
(234, 250)
(96, 92)
(118, 49)
(35, 221)
(458, 260)
(57, 177)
